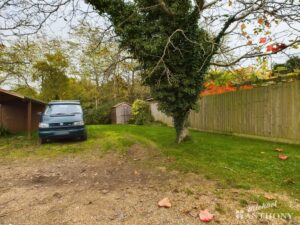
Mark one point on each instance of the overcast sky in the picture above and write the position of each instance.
(59, 27)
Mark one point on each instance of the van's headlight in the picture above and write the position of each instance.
(43, 125)
(79, 123)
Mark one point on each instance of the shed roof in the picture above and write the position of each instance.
(121, 103)
(6, 96)
(150, 99)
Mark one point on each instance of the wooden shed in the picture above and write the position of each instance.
(19, 113)
(121, 113)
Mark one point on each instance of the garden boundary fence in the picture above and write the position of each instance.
(271, 113)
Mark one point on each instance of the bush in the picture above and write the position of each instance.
(141, 113)
(101, 115)
(3, 132)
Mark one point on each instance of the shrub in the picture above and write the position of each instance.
(141, 113)
(101, 115)
(3, 132)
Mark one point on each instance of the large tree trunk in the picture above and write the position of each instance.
(180, 124)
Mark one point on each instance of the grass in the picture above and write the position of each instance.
(232, 161)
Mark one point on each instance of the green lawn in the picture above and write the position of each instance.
(232, 161)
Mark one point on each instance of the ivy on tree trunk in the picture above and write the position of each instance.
(170, 44)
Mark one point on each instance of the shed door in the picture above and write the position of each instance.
(124, 115)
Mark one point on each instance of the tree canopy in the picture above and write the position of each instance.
(174, 47)
(52, 72)
(175, 42)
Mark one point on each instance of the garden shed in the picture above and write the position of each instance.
(121, 113)
(19, 113)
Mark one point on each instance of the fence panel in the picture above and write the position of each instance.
(271, 112)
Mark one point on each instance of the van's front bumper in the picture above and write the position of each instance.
(66, 132)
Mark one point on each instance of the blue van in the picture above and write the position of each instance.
(62, 119)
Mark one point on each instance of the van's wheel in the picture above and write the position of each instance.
(43, 141)
(84, 137)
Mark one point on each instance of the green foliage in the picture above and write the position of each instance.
(26, 91)
(15, 60)
(4, 132)
(220, 78)
(280, 68)
(290, 66)
(141, 113)
(81, 90)
(82, 68)
(51, 71)
(173, 50)
(99, 115)
(101, 62)
(5, 68)
(293, 63)
(240, 76)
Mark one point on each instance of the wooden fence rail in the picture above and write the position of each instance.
(271, 113)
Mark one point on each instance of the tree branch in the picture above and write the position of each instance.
(252, 55)
(165, 8)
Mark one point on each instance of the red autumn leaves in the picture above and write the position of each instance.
(264, 22)
(282, 157)
(262, 40)
(212, 89)
(165, 203)
(273, 48)
(204, 215)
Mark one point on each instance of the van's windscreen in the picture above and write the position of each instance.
(63, 109)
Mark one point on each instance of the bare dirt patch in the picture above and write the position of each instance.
(112, 190)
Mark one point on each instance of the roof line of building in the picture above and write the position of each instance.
(116, 105)
(21, 96)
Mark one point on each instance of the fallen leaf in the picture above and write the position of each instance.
(57, 195)
(162, 168)
(279, 149)
(165, 202)
(283, 157)
(104, 191)
(171, 159)
(205, 216)
(289, 181)
(269, 197)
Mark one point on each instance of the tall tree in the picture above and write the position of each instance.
(175, 41)
(4, 65)
(18, 58)
(51, 72)
(15, 66)
(174, 48)
(293, 63)
(99, 59)
(171, 48)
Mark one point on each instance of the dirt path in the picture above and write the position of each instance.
(112, 190)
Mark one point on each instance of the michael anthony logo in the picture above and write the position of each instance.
(253, 212)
